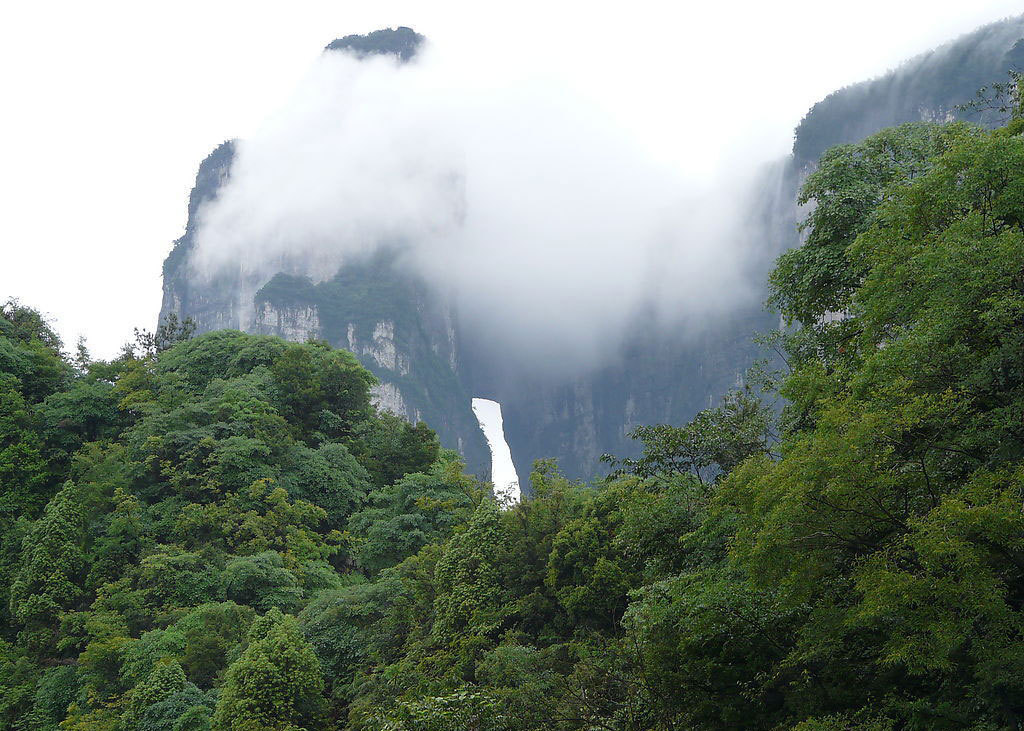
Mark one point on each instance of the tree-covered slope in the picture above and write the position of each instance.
(220, 533)
(152, 506)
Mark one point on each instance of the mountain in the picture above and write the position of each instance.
(403, 333)
(430, 368)
(928, 87)
(401, 42)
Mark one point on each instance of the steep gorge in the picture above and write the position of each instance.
(430, 368)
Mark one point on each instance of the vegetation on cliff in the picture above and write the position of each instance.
(220, 533)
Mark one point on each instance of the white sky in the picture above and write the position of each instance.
(108, 107)
(503, 470)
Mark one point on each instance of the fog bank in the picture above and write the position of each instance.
(550, 222)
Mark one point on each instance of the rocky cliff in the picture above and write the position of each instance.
(409, 336)
(405, 334)
(928, 88)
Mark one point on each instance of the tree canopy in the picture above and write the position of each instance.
(220, 532)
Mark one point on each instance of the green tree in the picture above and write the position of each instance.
(31, 352)
(169, 332)
(846, 189)
(585, 570)
(165, 680)
(416, 510)
(390, 447)
(55, 692)
(53, 568)
(24, 474)
(715, 442)
(468, 577)
(262, 581)
(275, 684)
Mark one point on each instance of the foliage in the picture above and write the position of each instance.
(847, 188)
(223, 534)
(275, 684)
(390, 447)
(167, 333)
(715, 441)
(154, 505)
(417, 510)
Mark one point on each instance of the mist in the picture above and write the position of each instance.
(548, 221)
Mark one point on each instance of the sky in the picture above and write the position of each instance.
(503, 470)
(110, 106)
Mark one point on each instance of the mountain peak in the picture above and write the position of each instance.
(401, 42)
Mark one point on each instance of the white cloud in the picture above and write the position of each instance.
(110, 105)
(553, 224)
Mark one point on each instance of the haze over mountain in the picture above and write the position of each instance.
(212, 72)
(501, 240)
(218, 530)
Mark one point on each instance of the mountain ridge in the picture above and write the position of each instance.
(428, 369)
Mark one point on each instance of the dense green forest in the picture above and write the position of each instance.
(219, 532)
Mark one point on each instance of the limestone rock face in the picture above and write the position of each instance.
(927, 88)
(410, 336)
(387, 397)
(297, 323)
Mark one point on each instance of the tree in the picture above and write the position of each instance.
(329, 477)
(322, 389)
(850, 183)
(262, 581)
(418, 509)
(55, 691)
(166, 679)
(53, 568)
(168, 333)
(1004, 97)
(275, 684)
(714, 443)
(390, 447)
(468, 577)
(24, 474)
(886, 528)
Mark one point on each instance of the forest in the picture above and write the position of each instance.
(220, 532)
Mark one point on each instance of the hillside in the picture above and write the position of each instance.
(218, 532)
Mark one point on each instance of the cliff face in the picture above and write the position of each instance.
(214, 305)
(656, 378)
(403, 333)
(926, 88)
(409, 336)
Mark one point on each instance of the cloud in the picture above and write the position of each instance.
(555, 226)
